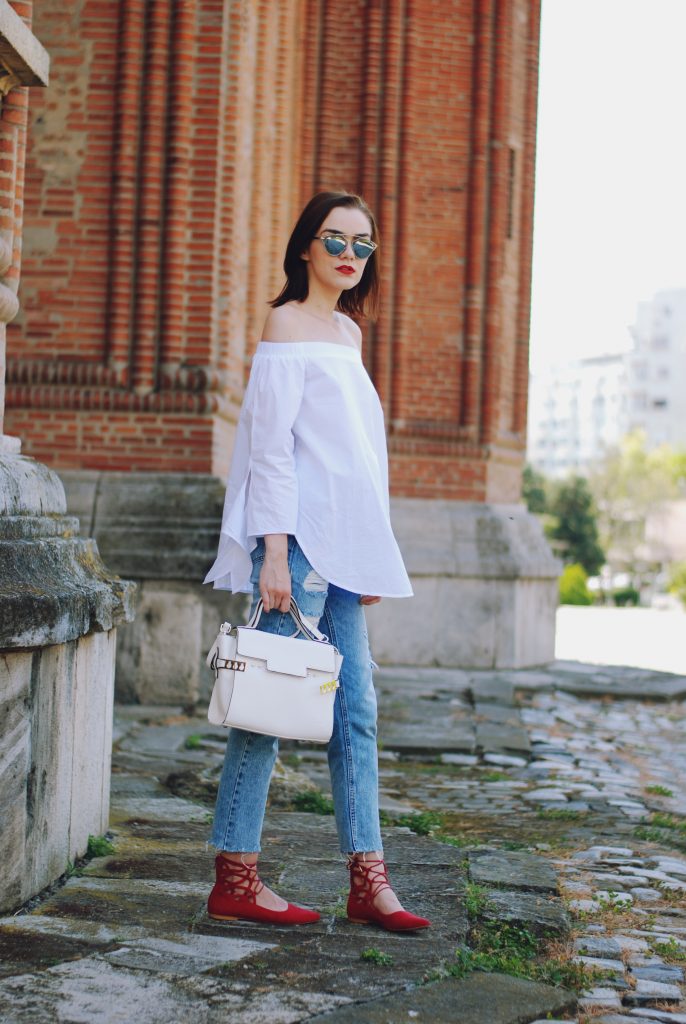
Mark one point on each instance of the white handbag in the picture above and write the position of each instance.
(278, 685)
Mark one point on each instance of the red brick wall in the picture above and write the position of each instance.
(13, 125)
(167, 164)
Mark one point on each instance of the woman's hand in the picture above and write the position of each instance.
(366, 599)
(275, 578)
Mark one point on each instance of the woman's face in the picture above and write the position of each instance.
(345, 271)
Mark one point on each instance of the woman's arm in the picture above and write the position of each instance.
(275, 393)
(275, 578)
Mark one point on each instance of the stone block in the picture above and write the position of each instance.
(54, 587)
(513, 870)
(161, 655)
(159, 652)
(647, 992)
(56, 720)
(509, 1001)
(492, 736)
(28, 488)
(12, 853)
(100, 989)
(485, 588)
(668, 973)
(601, 998)
(93, 696)
(540, 913)
(185, 955)
(620, 1018)
(151, 525)
(49, 786)
(468, 623)
(487, 688)
(598, 946)
(657, 1015)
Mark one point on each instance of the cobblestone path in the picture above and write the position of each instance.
(555, 799)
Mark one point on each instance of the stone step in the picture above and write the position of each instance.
(461, 1001)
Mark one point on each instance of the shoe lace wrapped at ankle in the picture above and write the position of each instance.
(240, 880)
(368, 878)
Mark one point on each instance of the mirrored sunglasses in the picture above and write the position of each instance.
(336, 245)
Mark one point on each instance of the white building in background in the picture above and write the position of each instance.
(656, 370)
(579, 410)
(576, 412)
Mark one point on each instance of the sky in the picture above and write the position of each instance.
(610, 208)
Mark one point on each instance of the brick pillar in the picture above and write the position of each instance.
(442, 147)
(58, 605)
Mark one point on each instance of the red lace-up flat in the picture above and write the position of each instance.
(235, 892)
(367, 879)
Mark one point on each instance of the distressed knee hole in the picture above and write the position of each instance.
(314, 583)
(312, 620)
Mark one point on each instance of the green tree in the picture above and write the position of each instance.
(574, 529)
(573, 589)
(629, 483)
(677, 581)
(534, 490)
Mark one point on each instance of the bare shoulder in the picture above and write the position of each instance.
(351, 328)
(281, 324)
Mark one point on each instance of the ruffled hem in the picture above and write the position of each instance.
(231, 552)
(232, 567)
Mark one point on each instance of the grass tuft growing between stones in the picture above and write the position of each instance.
(560, 814)
(509, 947)
(423, 823)
(460, 842)
(99, 846)
(375, 956)
(193, 741)
(313, 801)
(659, 790)
(670, 950)
(662, 827)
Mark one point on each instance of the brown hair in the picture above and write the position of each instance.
(360, 301)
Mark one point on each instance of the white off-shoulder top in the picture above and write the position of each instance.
(310, 459)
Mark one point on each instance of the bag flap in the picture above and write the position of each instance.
(286, 654)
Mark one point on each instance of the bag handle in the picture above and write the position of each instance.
(303, 627)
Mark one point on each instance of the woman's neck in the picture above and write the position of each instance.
(321, 302)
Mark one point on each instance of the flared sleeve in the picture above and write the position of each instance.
(272, 405)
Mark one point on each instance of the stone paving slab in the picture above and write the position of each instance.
(425, 712)
(513, 870)
(163, 867)
(613, 681)
(494, 737)
(186, 955)
(29, 949)
(497, 689)
(659, 1015)
(427, 737)
(539, 913)
(92, 990)
(508, 1001)
(149, 903)
(413, 681)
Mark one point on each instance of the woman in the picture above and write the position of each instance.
(307, 514)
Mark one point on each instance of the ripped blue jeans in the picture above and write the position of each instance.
(352, 751)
